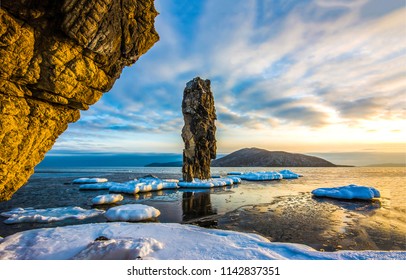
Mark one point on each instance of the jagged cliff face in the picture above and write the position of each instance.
(199, 131)
(59, 57)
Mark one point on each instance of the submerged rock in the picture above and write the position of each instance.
(58, 57)
(199, 130)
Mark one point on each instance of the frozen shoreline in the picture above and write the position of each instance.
(170, 241)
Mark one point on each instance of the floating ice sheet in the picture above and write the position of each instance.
(107, 199)
(261, 176)
(131, 213)
(164, 242)
(89, 180)
(348, 192)
(31, 215)
(287, 174)
(210, 183)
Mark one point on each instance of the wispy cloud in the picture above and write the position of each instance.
(312, 63)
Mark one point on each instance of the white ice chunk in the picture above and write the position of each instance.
(107, 199)
(131, 213)
(89, 180)
(121, 249)
(287, 174)
(29, 215)
(96, 186)
(210, 183)
(164, 242)
(261, 176)
(236, 180)
(348, 192)
(235, 173)
(131, 187)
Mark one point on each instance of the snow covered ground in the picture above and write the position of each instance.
(162, 241)
(348, 192)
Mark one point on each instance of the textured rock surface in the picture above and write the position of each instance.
(58, 57)
(199, 130)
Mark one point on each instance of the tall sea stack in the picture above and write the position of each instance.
(199, 130)
(57, 58)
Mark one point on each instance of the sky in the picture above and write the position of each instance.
(309, 76)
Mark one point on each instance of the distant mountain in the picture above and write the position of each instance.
(254, 157)
(165, 164)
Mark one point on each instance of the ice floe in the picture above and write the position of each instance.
(261, 176)
(30, 215)
(348, 192)
(89, 180)
(96, 186)
(119, 240)
(209, 183)
(107, 199)
(236, 180)
(131, 213)
(287, 174)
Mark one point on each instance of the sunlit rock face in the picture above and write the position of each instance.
(59, 57)
(199, 130)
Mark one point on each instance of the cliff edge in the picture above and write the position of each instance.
(57, 58)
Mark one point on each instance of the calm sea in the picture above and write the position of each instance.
(283, 211)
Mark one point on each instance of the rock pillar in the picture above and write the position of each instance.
(199, 130)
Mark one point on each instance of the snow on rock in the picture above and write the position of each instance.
(107, 199)
(287, 174)
(131, 213)
(348, 192)
(29, 215)
(261, 176)
(164, 242)
(209, 183)
(121, 249)
(89, 180)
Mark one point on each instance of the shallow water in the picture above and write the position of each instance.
(283, 211)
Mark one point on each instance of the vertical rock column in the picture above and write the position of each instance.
(199, 130)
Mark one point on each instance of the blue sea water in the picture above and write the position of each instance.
(279, 210)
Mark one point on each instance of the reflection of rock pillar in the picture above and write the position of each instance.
(196, 205)
(199, 130)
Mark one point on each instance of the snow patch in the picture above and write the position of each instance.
(31, 215)
(89, 180)
(107, 199)
(131, 213)
(348, 192)
(209, 183)
(164, 242)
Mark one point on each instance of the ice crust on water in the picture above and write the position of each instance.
(209, 183)
(131, 213)
(163, 242)
(261, 176)
(107, 199)
(348, 192)
(89, 180)
(29, 215)
(287, 174)
(96, 186)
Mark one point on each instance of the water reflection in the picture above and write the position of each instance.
(352, 205)
(196, 205)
